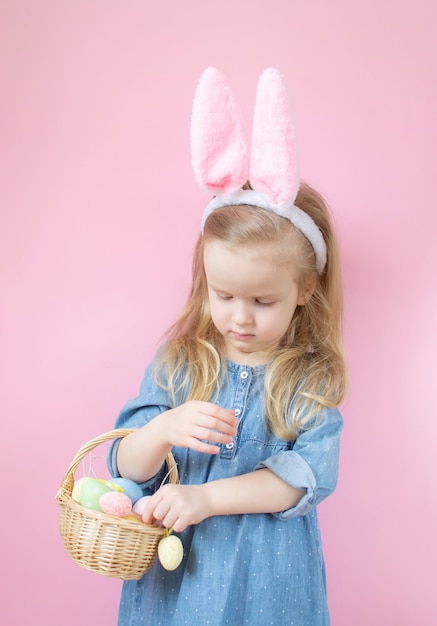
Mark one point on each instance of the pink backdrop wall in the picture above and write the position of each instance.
(99, 211)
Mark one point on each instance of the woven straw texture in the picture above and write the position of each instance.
(102, 543)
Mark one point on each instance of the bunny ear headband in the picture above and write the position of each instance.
(221, 161)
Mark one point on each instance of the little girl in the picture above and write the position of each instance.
(244, 391)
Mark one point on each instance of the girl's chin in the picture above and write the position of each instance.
(244, 355)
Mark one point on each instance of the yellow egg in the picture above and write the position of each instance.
(133, 518)
(170, 552)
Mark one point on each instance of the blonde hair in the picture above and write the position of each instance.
(308, 368)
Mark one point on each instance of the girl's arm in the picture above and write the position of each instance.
(288, 483)
(262, 491)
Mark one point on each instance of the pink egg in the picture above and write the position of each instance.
(116, 503)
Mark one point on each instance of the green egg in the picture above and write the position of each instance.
(91, 492)
(77, 488)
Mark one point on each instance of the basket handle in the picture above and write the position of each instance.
(68, 480)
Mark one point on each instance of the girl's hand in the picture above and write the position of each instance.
(199, 425)
(177, 506)
(196, 425)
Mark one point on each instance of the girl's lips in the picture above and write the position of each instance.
(242, 336)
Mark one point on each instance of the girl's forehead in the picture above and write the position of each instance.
(259, 270)
(257, 254)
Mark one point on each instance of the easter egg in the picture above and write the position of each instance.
(110, 484)
(91, 492)
(75, 494)
(170, 552)
(115, 503)
(133, 517)
(140, 505)
(129, 487)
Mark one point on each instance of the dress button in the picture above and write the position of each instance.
(230, 445)
(244, 375)
(237, 412)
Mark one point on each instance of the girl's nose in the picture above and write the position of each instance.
(242, 314)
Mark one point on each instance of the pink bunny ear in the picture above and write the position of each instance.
(219, 154)
(273, 167)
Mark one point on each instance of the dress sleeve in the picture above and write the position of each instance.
(312, 463)
(151, 401)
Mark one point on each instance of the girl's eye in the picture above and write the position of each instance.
(223, 297)
(262, 303)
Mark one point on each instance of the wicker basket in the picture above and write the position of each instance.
(111, 546)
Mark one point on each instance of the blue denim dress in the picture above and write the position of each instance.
(254, 569)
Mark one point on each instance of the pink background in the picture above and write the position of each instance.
(99, 212)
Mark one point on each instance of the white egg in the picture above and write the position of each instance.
(140, 505)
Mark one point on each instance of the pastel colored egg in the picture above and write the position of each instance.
(91, 492)
(129, 487)
(133, 517)
(110, 484)
(140, 505)
(115, 503)
(75, 494)
(170, 552)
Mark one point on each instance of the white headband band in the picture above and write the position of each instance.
(221, 161)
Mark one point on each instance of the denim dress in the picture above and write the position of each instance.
(255, 569)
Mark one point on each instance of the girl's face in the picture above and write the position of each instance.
(252, 299)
